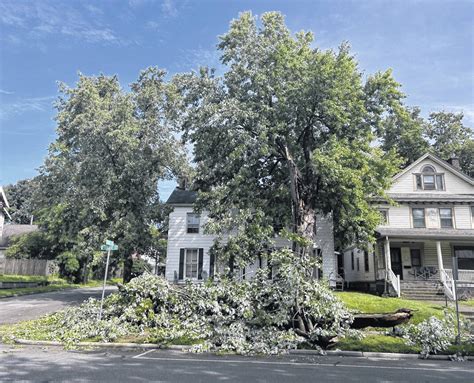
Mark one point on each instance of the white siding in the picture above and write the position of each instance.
(399, 216)
(453, 184)
(325, 242)
(462, 217)
(358, 275)
(178, 238)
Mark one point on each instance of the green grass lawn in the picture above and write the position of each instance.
(367, 303)
(370, 304)
(469, 302)
(54, 284)
(383, 343)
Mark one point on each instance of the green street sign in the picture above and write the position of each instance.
(109, 246)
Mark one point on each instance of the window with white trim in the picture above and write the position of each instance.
(192, 221)
(191, 264)
(418, 217)
(429, 179)
(446, 217)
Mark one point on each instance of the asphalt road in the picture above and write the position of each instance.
(35, 364)
(26, 307)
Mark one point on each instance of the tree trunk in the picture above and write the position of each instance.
(304, 215)
(382, 320)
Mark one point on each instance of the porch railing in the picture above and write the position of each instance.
(394, 281)
(463, 275)
(448, 285)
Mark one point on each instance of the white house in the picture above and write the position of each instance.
(427, 234)
(188, 254)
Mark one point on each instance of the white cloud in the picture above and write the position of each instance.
(31, 104)
(169, 8)
(195, 58)
(3, 91)
(37, 21)
(153, 25)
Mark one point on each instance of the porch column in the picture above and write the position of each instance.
(388, 259)
(440, 259)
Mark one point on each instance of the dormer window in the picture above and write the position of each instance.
(429, 179)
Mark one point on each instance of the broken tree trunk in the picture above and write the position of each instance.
(382, 320)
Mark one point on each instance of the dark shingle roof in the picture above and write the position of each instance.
(182, 197)
(11, 230)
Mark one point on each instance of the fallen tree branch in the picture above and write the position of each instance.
(400, 316)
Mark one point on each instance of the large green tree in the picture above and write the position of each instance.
(100, 179)
(403, 130)
(21, 200)
(442, 133)
(284, 132)
(449, 137)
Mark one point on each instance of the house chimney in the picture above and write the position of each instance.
(454, 161)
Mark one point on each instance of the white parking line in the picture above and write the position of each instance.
(142, 354)
(304, 364)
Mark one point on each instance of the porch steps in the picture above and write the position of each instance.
(430, 290)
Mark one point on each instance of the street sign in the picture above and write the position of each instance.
(108, 247)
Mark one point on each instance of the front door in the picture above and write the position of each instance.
(396, 258)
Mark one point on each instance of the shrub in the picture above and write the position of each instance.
(68, 265)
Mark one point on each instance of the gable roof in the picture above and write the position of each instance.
(182, 197)
(440, 162)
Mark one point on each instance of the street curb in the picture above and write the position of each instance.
(128, 346)
(152, 346)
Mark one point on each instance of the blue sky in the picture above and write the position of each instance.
(429, 45)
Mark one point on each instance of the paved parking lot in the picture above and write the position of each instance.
(32, 364)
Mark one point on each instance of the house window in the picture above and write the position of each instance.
(352, 260)
(446, 217)
(415, 255)
(191, 264)
(193, 222)
(358, 264)
(418, 218)
(384, 214)
(465, 257)
(429, 179)
(366, 261)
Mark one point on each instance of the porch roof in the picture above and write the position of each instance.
(433, 234)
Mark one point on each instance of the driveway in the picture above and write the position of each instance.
(52, 364)
(27, 307)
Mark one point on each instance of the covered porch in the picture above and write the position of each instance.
(425, 255)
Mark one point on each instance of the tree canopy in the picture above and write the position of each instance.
(100, 178)
(286, 131)
(21, 200)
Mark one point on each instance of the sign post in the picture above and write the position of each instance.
(108, 247)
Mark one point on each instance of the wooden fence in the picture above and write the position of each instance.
(10, 266)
